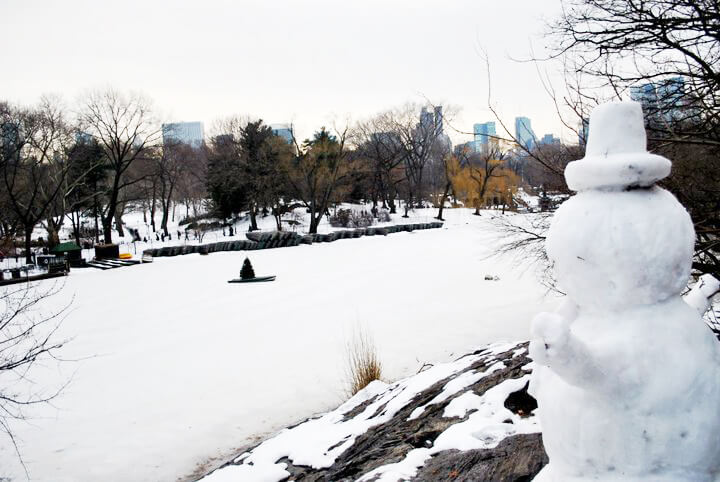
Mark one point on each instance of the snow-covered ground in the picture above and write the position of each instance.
(174, 367)
(135, 220)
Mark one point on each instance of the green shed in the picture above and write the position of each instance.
(71, 251)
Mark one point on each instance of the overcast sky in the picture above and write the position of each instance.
(312, 63)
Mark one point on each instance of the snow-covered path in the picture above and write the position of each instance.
(184, 367)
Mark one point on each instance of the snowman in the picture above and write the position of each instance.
(627, 375)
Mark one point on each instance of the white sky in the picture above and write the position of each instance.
(310, 62)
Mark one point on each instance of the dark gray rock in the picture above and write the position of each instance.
(257, 236)
(516, 458)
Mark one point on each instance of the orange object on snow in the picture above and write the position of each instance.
(125, 256)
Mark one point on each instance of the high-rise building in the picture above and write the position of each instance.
(427, 119)
(431, 127)
(464, 148)
(438, 120)
(646, 95)
(671, 98)
(191, 133)
(670, 91)
(524, 133)
(83, 138)
(663, 101)
(483, 133)
(9, 140)
(548, 139)
(283, 130)
(583, 131)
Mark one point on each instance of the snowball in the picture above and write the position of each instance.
(628, 248)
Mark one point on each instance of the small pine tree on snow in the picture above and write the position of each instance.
(247, 271)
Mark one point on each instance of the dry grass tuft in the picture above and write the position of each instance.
(363, 363)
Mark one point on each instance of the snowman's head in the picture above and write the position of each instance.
(621, 241)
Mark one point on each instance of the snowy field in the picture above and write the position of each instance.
(175, 369)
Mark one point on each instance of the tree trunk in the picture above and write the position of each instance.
(97, 227)
(107, 229)
(253, 219)
(314, 222)
(111, 208)
(119, 222)
(75, 219)
(28, 244)
(408, 203)
(166, 211)
(152, 207)
(52, 231)
(277, 214)
(164, 220)
(442, 201)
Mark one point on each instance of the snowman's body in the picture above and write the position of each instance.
(628, 375)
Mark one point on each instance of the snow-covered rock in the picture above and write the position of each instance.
(628, 375)
(470, 419)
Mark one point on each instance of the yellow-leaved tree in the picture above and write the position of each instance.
(484, 180)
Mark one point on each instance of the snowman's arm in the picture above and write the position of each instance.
(701, 296)
(555, 346)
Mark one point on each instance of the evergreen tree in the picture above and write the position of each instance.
(247, 271)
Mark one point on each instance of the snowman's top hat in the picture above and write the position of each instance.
(616, 155)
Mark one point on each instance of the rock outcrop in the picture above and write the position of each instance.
(471, 419)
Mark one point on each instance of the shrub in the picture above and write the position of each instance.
(383, 216)
(341, 218)
(247, 271)
(347, 218)
(195, 219)
(363, 363)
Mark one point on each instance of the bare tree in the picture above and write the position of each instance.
(628, 43)
(381, 147)
(34, 173)
(522, 238)
(444, 168)
(126, 130)
(192, 184)
(27, 337)
(9, 223)
(669, 50)
(420, 142)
